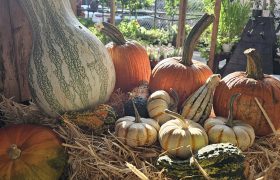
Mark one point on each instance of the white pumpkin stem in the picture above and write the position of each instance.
(14, 152)
(230, 114)
(137, 116)
(185, 124)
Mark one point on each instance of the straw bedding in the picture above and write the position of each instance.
(105, 157)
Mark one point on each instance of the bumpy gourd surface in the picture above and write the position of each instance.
(70, 68)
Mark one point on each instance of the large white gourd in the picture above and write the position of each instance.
(70, 69)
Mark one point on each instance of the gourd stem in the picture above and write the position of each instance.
(14, 152)
(185, 124)
(230, 114)
(175, 96)
(254, 64)
(137, 116)
(113, 32)
(192, 39)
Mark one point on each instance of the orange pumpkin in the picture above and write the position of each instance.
(183, 74)
(131, 61)
(252, 83)
(30, 152)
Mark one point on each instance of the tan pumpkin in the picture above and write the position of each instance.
(158, 102)
(199, 105)
(180, 136)
(137, 131)
(222, 130)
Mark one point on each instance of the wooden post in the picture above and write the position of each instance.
(181, 24)
(113, 12)
(217, 11)
(74, 6)
(155, 14)
(15, 50)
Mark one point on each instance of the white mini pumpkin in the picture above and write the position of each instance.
(227, 130)
(158, 102)
(181, 136)
(137, 131)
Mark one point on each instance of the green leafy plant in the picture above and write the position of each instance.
(234, 16)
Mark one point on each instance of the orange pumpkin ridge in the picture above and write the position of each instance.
(183, 74)
(266, 89)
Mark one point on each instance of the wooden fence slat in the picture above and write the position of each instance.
(215, 29)
(8, 74)
(22, 47)
(182, 21)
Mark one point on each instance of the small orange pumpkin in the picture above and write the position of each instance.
(30, 152)
(131, 61)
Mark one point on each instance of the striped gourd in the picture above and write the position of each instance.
(70, 69)
(198, 106)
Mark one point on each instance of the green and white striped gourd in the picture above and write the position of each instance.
(70, 69)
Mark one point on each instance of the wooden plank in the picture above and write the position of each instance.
(181, 24)
(215, 29)
(8, 71)
(74, 6)
(113, 12)
(22, 39)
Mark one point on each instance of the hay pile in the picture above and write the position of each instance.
(105, 157)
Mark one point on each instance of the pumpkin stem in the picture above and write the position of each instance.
(14, 152)
(137, 116)
(175, 96)
(185, 124)
(230, 115)
(192, 39)
(254, 64)
(112, 32)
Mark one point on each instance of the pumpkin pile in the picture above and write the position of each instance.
(163, 116)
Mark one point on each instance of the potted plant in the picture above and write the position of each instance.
(257, 11)
(227, 43)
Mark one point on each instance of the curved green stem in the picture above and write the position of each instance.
(254, 64)
(137, 116)
(192, 39)
(230, 115)
(112, 32)
(14, 152)
(185, 124)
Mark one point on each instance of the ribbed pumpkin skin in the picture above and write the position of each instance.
(42, 156)
(185, 80)
(266, 90)
(70, 69)
(178, 140)
(135, 134)
(131, 63)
